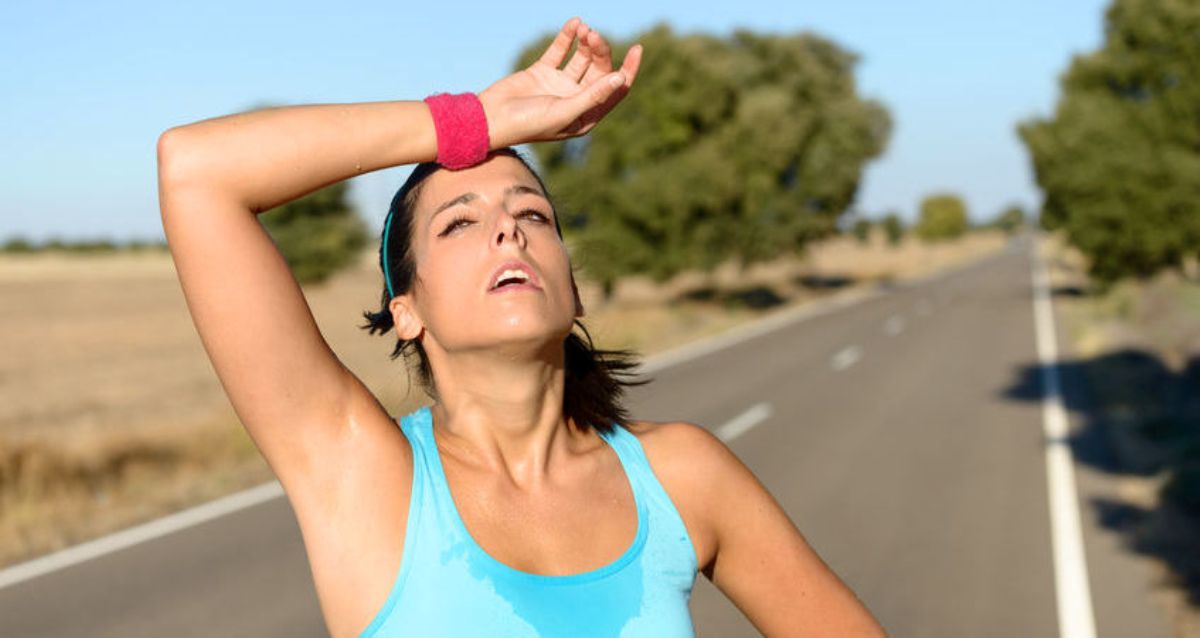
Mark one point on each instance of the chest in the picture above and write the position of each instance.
(566, 526)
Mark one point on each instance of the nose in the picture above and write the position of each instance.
(507, 229)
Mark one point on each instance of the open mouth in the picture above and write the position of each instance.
(513, 276)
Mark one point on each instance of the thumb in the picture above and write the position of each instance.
(596, 94)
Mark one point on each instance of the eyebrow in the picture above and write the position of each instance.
(519, 189)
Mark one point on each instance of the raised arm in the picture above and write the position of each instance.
(286, 385)
(289, 389)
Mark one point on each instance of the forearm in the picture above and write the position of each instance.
(262, 159)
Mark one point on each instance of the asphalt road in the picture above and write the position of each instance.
(894, 430)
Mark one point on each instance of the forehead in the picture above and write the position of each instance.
(489, 178)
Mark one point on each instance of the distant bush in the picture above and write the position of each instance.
(138, 245)
(862, 230)
(91, 246)
(317, 234)
(1010, 220)
(22, 245)
(894, 228)
(18, 245)
(943, 216)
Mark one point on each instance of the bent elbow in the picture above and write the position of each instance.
(170, 146)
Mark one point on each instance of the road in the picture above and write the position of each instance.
(890, 429)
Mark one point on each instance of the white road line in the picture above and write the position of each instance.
(845, 358)
(894, 325)
(141, 533)
(1075, 617)
(742, 423)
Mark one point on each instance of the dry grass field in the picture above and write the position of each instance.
(111, 415)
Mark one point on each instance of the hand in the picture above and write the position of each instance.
(543, 103)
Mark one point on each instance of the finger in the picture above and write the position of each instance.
(594, 95)
(582, 59)
(631, 64)
(557, 51)
(601, 58)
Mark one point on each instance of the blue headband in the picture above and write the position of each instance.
(387, 277)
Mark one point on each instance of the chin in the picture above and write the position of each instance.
(530, 335)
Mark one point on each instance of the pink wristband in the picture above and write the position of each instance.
(462, 130)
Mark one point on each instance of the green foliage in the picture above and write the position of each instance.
(317, 234)
(23, 245)
(1010, 220)
(943, 216)
(18, 245)
(893, 226)
(742, 147)
(861, 230)
(1119, 162)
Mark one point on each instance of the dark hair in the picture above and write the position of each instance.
(595, 379)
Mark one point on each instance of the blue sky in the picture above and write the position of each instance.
(89, 86)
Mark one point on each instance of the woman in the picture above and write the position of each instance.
(480, 284)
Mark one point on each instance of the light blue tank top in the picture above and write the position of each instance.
(447, 585)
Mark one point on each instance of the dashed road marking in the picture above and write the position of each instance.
(742, 423)
(894, 325)
(845, 358)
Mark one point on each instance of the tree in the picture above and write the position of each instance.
(862, 230)
(18, 244)
(943, 216)
(1119, 163)
(742, 147)
(893, 226)
(1011, 219)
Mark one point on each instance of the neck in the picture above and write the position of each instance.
(504, 413)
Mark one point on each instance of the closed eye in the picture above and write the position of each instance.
(528, 212)
(531, 211)
(453, 225)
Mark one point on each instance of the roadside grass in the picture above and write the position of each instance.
(111, 415)
(1137, 347)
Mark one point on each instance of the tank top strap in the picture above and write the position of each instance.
(444, 518)
(427, 469)
(421, 484)
(641, 474)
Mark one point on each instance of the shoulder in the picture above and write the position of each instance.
(684, 447)
(696, 469)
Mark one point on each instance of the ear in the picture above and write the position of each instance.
(408, 325)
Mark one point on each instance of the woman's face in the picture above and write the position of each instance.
(466, 225)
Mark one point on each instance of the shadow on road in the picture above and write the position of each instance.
(1138, 418)
(753, 297)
